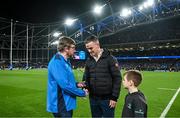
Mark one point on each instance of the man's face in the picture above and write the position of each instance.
(71, 50)
(93, 48)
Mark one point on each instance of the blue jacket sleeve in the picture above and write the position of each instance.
(61, 76)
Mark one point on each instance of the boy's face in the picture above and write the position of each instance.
(126, 83)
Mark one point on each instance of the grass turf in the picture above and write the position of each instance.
(23, 94)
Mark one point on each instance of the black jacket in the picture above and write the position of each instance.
(135, 105)
(103, 77)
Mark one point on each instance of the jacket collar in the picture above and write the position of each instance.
(60, 57)
(104, 54)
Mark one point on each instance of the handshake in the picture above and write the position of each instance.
(83, 86)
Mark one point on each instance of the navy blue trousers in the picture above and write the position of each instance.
(100, 108)
(63, 114)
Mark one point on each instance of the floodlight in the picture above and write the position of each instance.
(125, 12)
(145, 5)
(57, 34)
(150, 2)
(69, 21)
(98, 9)
(140, 7)
(54, 43)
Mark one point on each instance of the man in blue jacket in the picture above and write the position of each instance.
(62, 88)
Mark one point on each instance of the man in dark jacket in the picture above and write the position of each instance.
(103, 79)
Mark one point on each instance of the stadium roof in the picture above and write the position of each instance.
(41, 11)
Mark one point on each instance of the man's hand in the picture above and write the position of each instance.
(86, 91)
(81, 85)
(112, 103)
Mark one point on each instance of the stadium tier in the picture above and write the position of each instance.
(151, 31)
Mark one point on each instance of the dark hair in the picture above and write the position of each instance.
(91, 39)
(65, 42)
(135, 76)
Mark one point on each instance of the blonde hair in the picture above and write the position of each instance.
(65, 42)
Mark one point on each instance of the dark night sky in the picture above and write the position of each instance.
(46, 11)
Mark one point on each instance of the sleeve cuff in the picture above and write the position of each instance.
(77, 84)
(114, 98)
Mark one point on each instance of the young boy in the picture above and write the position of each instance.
(135, 102)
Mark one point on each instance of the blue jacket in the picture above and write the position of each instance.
(61, 87)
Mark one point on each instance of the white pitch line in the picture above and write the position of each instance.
(167, 89)
(163, 114)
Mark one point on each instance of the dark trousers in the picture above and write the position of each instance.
(63, 114)
(100, 108)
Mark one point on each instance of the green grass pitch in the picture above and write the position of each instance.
(23, 94)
